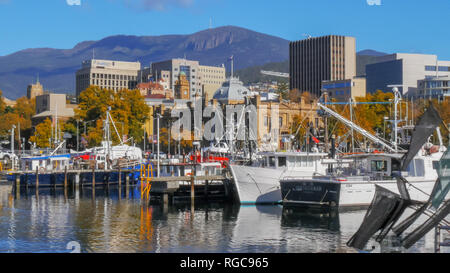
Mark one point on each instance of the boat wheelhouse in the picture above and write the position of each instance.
(259, 182)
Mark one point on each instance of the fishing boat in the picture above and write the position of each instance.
(354, 181)
(354, 184)
(46, 167)
(259, 183)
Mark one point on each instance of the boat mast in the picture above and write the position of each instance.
(107, 137)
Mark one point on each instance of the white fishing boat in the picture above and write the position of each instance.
(260, 182)
(108, 155)
(354, 185)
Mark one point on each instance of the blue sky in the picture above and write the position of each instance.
(410, 26)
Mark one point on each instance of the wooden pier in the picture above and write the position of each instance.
(164, 189)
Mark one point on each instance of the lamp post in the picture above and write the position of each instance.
(86, 122)
(158, 117)
(78, 142)
(384, 123)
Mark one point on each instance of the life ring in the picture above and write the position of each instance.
(42, 170)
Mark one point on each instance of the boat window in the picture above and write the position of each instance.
(395, 165)
(416, 168)
(282, 161)
(378, 165)
(420, 167)
(272, 161)
(263, 162)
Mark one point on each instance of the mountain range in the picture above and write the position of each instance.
(56, 67)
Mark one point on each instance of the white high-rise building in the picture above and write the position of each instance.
(107, 74)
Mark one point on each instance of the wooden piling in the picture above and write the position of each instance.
(165, 199)
(37, 178)
(93, 177)
(17, 177)
(120, 178)
(65, 178)
(192, 189)
(206, 183)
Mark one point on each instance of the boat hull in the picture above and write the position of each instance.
(255, 185)
(317, 192)
(310, 193)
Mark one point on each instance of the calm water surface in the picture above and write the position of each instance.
(118, 223)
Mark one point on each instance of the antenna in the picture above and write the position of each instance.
(397, 99)
(93, 53)
(210, 22)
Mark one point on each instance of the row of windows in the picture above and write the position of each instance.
(211, 71)
(109, 82)
(107, 77)
(339, 93)
(113, 77)
(440, 68)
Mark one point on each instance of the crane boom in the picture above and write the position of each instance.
(356, 127)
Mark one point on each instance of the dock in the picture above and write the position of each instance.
(163, 189)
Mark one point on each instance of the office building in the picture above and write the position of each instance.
(314, 60)
(343, 90)
(107, 74)
(203, 80)
(50, 106)
(404, 69)
(433, 87)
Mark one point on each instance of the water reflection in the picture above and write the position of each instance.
(110, 219)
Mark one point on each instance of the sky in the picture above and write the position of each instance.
(407, 26)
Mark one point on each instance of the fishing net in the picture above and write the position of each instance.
(429, 224)
(383, 212)
(423, 129)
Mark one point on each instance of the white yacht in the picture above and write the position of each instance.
(354, 184)
(260, 182)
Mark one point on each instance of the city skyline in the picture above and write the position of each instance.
(386, 25)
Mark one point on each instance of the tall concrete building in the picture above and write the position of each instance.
(202, 79)
(404, 69)
(318, 59)
(107, 74)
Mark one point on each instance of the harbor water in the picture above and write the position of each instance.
(113, 220)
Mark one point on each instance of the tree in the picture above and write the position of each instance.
(299, 127)
(42, 134)
(282, 90)
(128, 108)
(295, 95)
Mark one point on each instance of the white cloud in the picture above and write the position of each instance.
(374, 2)
(73, 2)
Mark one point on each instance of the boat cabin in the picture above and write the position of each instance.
(292, 160)
(385, 166)
(45, 163)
